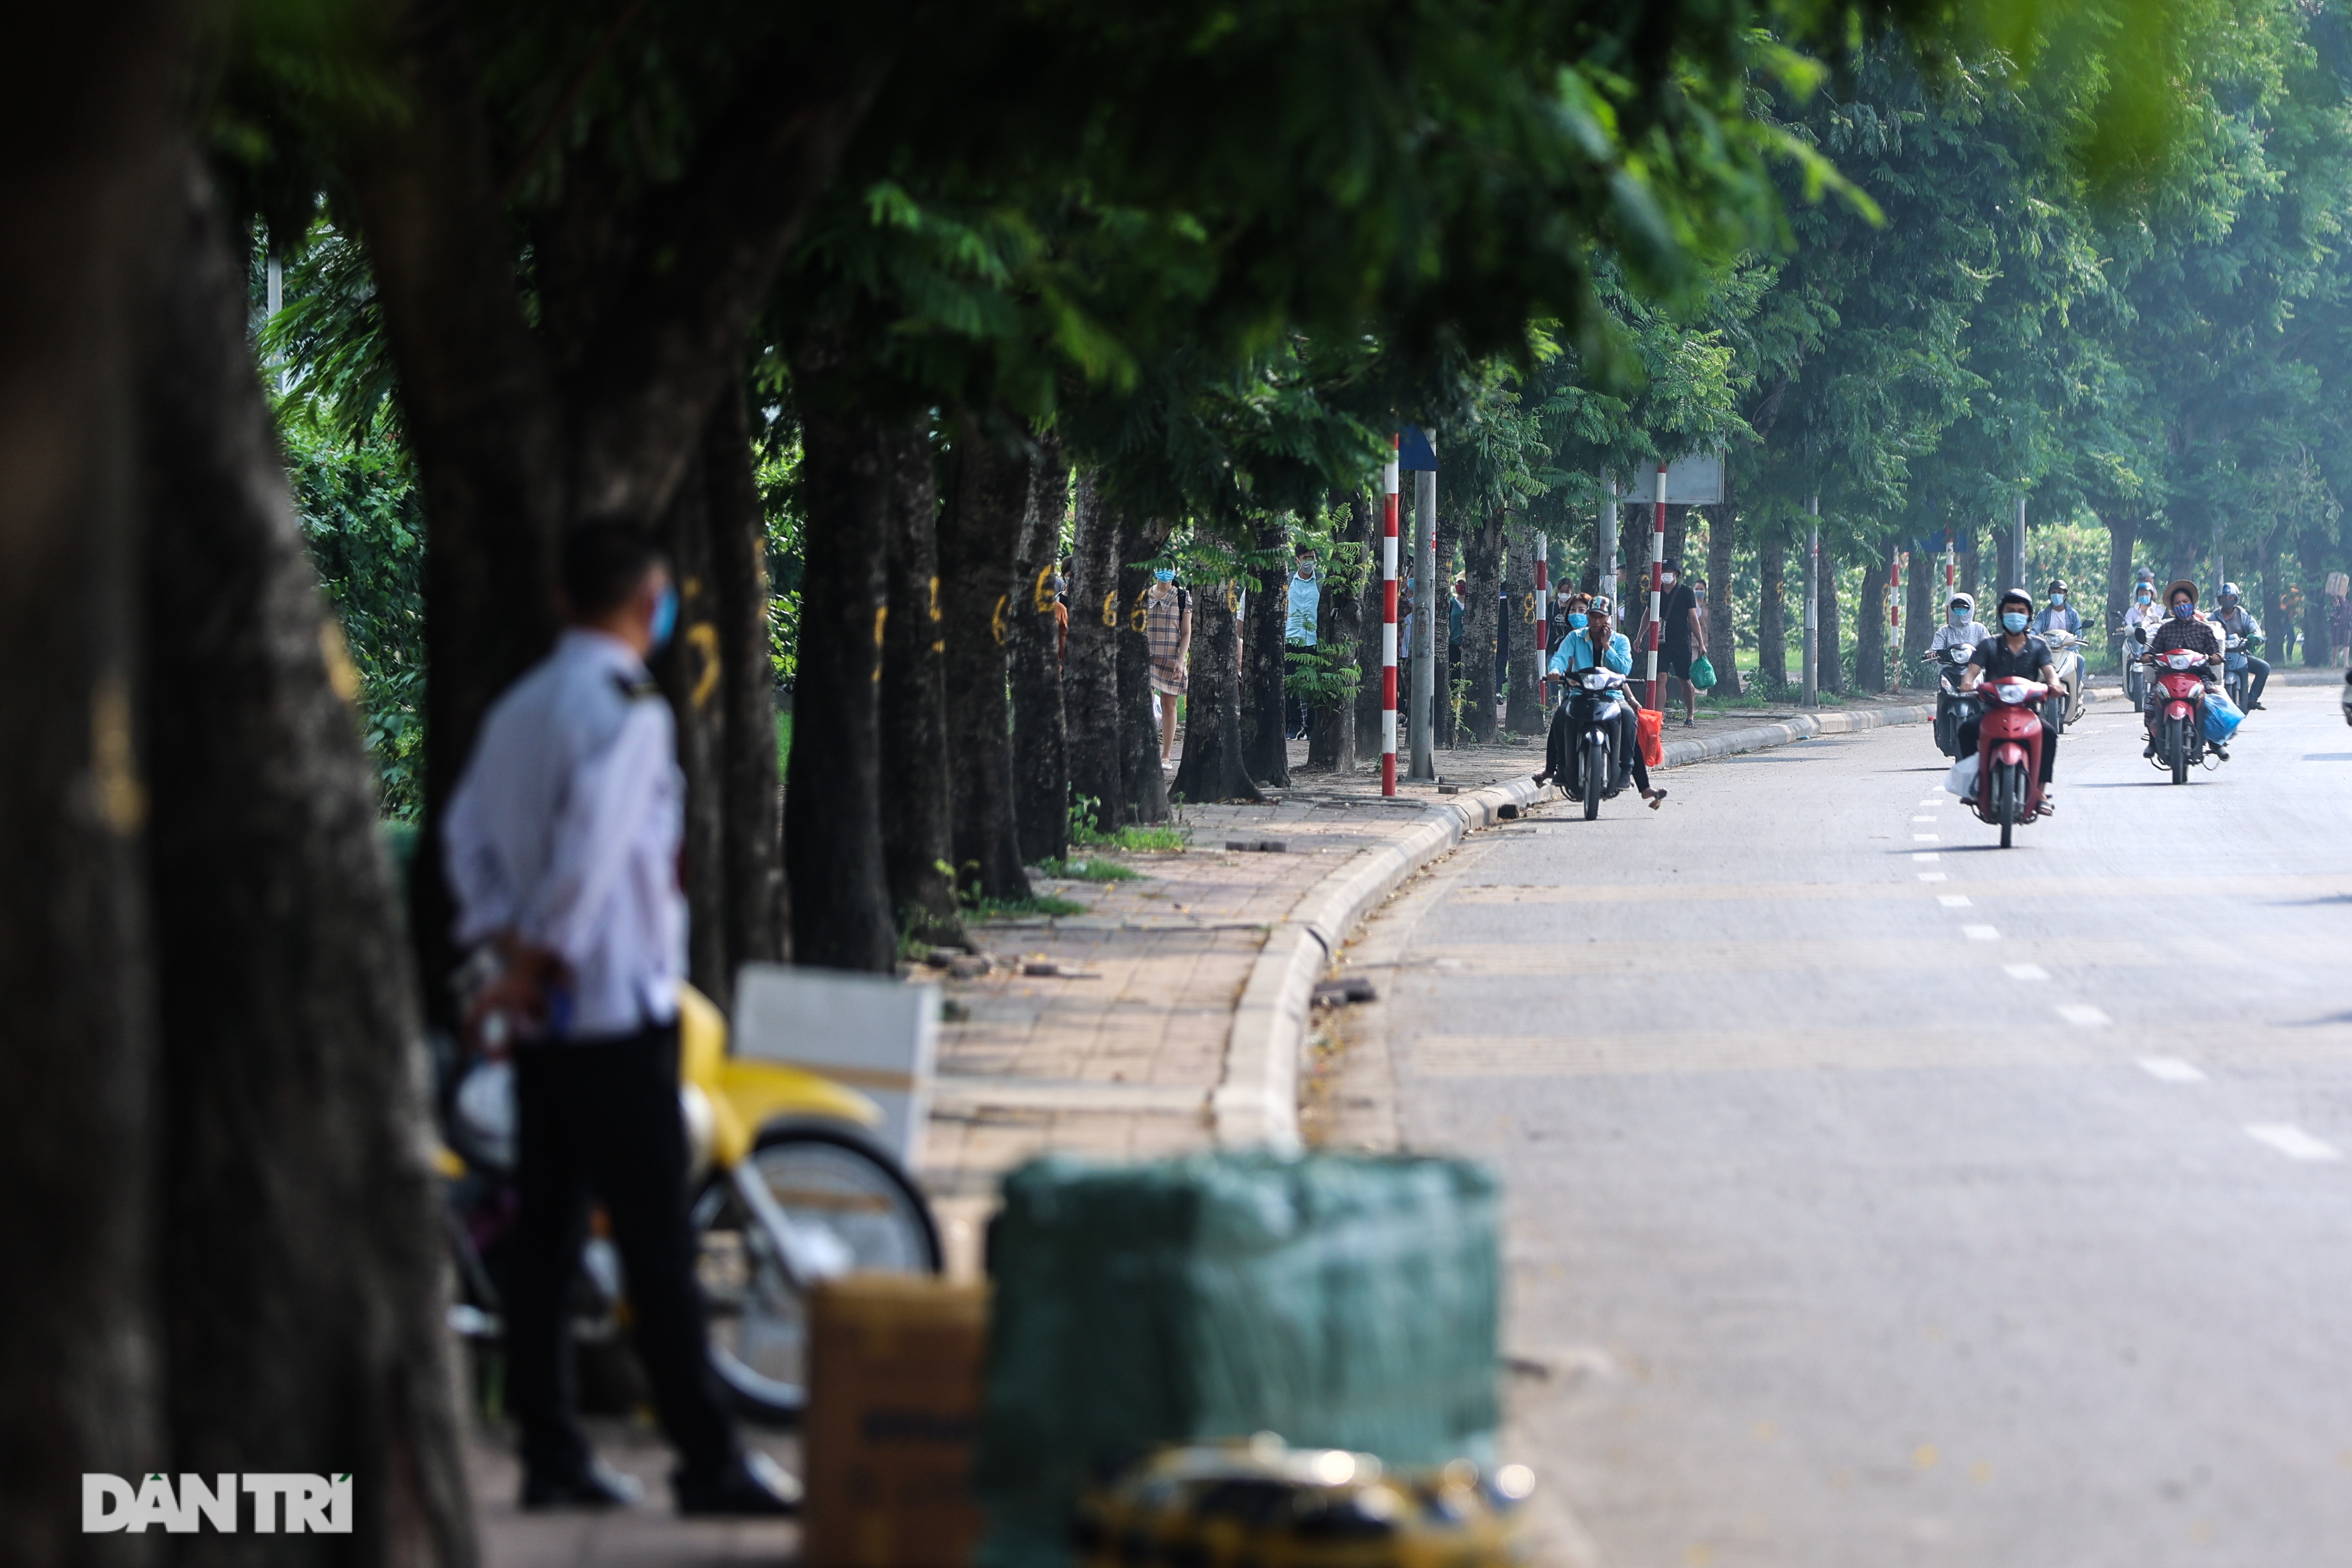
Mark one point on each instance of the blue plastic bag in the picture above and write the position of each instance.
(2223, 718)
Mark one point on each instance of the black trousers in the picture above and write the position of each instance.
(1971, 728)
(603, 1119)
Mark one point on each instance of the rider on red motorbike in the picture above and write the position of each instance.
(2014, 652)
(2181, 628)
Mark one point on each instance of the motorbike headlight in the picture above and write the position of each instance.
(1594, 680)
(2012, 691)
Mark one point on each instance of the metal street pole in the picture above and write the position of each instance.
(1811, 693)
(1428, 609)
(2019, 580)
(1604, 575)
(1389, 620)
(1543, 613)
(1657, 583)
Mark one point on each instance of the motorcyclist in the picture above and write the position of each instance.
(2182, 627)
(1960, 627)
(1587, 629)
(2237, 621)
(2012, 652)
(2057, 615)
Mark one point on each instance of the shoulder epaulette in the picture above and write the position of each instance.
(636, 691)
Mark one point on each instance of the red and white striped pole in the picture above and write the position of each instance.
(1657, 581)
(1389, 622)
(1543, 613)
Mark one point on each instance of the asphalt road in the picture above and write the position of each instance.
(1877, 1196)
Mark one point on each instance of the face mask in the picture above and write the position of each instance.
(1667, 578)
(2013, 620)
(2056, 600)
(1580, 620)
(2182, 612)
(1307, 570)
(1166, 574)
(1960, 618)
(2148, 598)
(665, 619)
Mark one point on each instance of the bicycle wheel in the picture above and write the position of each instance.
(860, 1209)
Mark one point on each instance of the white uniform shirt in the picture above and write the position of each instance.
(564, 829)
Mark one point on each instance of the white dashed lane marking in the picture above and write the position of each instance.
(1981, 933)
(2171, 1069)
(2083, 1015)
(1953, 900)
(2025, 972)
(2292, 1141)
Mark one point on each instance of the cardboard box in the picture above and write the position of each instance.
(896, 1371)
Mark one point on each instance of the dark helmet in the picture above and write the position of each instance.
(2014, 596)
(2058, 585)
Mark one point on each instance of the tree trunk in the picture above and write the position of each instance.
(1870, 626)
(1677, 538)
(755, 827)
(2123, 535)
(1090, 677)
(691, 678)
(1832, 662)
(1722, 628)
(1524, 714)
(1482, 567)
(1339, 627)
(1041, 758)
(299, 1255)
(980, 533)
(916, 804)
(79, 1154)
(1264, 750)
(1212, 769)
(833, 825)
(1447, 725)
(1920, 614)
(2314, 551)
(1145, 798)
(1772, 615)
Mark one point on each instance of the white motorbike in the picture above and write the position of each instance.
(2066, 659)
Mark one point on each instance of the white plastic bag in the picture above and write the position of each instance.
(1962, 780)
(486, 1109)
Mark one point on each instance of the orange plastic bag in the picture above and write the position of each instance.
(1652, 723)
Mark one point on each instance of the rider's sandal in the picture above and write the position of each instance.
(1656, 797)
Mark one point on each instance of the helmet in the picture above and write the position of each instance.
(2016, 597)
(2057, 585)
(1601, 605)
(2229, 590)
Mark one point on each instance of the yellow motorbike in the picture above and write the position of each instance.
(789, 1188)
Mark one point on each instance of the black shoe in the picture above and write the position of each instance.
(2253, 707)
(2149, 751)
(750, 1485)
(595, 1485)
(1543, 778)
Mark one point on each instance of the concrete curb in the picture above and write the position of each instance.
(1256, 1103)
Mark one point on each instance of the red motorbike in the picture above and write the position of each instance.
(2180, 701)
(2009, 753)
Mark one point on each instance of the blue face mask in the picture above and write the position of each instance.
(2056, 600)
(2182, 612)
(1166, 574)
(2014, 620)
(2148, 598)
(1580, 620)
(665, 619)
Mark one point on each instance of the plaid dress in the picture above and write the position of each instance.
(1163, 628)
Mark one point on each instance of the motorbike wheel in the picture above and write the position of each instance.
(833, 1180)
(2176, 748)
(1596, 772)
(2008, 792)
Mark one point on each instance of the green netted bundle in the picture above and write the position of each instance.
(1342, 1301)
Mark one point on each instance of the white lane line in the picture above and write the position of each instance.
(1931, 875)
(1981, 933)
(2292, 1141)
(2083, 1015)
(1953, 900)
(1925, 838)
(1922, 856)
(2025, 972)
(2171, 1069)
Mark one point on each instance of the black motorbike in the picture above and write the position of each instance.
(1597, 703)
(1954, 706)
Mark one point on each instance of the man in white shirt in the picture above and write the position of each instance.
(561, 841)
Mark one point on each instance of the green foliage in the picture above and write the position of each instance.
(1094, 870)
(1086, 814)
(355, 496)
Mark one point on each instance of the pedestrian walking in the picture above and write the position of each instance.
(2290, 621)
(1298, 631)
(1168, 628)
(2340, 618)
(562, 846)
(1681, 637)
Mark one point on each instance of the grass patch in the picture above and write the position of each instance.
(784, 743)
(1040, 904)
(1133, 836)
(1089, 871)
